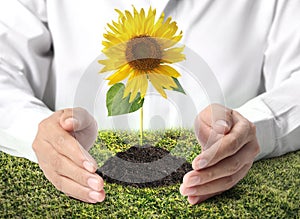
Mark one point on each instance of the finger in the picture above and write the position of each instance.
(73, 189)
(50, 159)
(202, 132)
(212, 124)
(242, 132)
(82, 125)
(207, 136)
(68, 169)
(217, 117)
(215, 186)
(67, 146)
(76, 119)
(198, 199)
(226, 167)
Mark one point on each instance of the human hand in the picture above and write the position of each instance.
(61, 146)
(229, 147)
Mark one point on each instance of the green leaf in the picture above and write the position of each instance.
(117, 105)
(179, 87)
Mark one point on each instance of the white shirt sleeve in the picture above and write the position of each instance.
(276, 112)
(25, 59)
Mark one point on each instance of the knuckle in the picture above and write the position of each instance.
(235, 166)
(249, 129)
(253, 129)
(81, 178)
(60, 142)
(234, 142)
(202, 136)
(65, 112)
(245, 124)
(58, 114)
(248, 166)
(58, 184)
(35, 146)
(228, 113)
(256, 149)
(229, 182)
(209, 175)
(82, 110)
(53, 178)
(42, 125)
(55, 162)
(47, 124)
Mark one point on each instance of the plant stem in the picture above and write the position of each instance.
(141, 126)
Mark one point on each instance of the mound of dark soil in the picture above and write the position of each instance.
(145, 166)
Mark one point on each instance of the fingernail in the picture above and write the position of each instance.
(95, 196)
(190, 191)
(88, 157)
(222, 123)
(193, 200)
(92, 201)
(194, 180)
(89, 166)
(94, 184)
(70, 121)
(202, 163)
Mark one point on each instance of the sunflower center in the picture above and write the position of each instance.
(143, 53)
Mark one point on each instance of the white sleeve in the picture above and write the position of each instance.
(276, 112)
(25, 59)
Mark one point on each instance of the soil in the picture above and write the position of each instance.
(145, 166)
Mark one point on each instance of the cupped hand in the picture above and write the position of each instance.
(61, 146)
(229, 147)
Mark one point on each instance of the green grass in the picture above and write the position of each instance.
(270, 190)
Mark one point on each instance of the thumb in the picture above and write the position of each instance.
(69, 124)
(76, 119)
(81, 124)
(219, 118)
(221, 126)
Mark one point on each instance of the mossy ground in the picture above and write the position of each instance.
(270, 190)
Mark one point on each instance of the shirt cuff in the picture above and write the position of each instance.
(17, 139)
(258, 113)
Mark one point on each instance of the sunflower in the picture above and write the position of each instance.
(139, 48)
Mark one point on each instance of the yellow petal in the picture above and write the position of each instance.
(173, 55)
(114, 29)
(172, 29)
(157, 84)
(164, 28)
(149, 22)
(168, 71)
(120, 75)
(167, 43)
(135, 89)
(158, 24)
(167, 82)
(110, 65)
(136, 83)
(127, 88)
(131, 87)
(121, 15)
(143, 84)
(112, 38)
(142, 20)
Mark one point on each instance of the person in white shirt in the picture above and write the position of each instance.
(252, 47)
